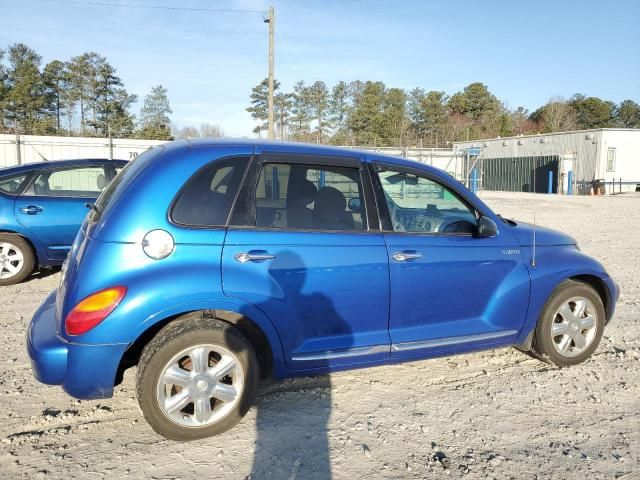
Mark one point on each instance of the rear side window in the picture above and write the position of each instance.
(13, 183)
(206, 198)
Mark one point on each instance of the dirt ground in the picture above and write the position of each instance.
(496, 414)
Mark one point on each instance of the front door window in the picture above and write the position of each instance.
(420, 205)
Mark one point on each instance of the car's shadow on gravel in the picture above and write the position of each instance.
(291, 424)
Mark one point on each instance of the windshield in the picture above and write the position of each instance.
(122, 180)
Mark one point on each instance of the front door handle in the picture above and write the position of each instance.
(31, 209)
(253, 256)
(407, 255)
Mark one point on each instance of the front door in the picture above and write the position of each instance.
(54, 205)
(450, 290)
(309, 260)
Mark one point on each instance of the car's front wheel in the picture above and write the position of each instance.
(17, 259)
(571, 324)
(196, 378)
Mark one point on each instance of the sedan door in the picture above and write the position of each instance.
(53, 207)
(305, 252)
(450, 290)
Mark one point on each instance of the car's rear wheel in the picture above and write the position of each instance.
(196, 378)
(570, 326)
(17, 259)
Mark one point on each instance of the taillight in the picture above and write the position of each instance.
(93, 309)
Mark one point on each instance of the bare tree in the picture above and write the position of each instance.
(211, 130)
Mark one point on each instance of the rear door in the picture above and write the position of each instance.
(306, 250)
(450, 290)
(54, 204)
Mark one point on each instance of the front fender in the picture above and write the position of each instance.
(554, 265)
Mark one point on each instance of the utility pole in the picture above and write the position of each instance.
(271, 21)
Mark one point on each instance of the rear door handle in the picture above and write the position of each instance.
(31, 209)
(253, 256)
(406, 255)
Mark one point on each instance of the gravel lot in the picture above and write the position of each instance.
(497, 414)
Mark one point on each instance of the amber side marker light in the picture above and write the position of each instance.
(93, 309)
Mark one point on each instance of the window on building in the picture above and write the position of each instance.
(611, 160)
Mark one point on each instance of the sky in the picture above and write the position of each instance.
(525, 52)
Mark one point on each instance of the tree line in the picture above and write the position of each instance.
(370, 113)
(80, 96)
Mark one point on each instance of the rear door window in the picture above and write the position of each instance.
(206, 198)
(309, 197)
(71, 182)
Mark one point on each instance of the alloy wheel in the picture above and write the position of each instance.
(11, 260)
(574, 326)
(200, 385)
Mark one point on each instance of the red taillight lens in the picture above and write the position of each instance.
(93, 309)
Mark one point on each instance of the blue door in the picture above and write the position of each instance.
(53, 207)
(450, 290)
(310, 262)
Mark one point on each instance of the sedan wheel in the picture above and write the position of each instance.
(16, 259)
(11, 260)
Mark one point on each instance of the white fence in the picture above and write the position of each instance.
(20, 149)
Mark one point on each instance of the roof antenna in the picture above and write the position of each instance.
(533, 246)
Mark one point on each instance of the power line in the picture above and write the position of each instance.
(154, 7)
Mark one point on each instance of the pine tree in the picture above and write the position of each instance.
(319, 109)
(259, 108)
(300, 112)
(25, 100)
(154, 115)
(367, 118)
(55, 78)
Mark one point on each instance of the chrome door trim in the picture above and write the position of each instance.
(444, 342)
(347, 352)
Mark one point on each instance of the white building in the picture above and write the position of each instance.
(609, 154)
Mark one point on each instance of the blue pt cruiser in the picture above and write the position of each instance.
(210, 263)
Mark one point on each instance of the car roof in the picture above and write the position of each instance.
(296, 147)
(29, 167)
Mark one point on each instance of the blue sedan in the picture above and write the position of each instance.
(42, 206)
(210, 263)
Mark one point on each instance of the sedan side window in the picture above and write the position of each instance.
(207, 196)
(421, 205)
(309, 197)
(12, 184)
(71, 182)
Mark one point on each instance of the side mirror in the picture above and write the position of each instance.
(354, 204)
(486, 228)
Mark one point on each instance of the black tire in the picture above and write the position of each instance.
(28, 255)
(542, 345)
(191, 330)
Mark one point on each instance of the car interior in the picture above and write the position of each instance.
(309, 197)
(420, 205)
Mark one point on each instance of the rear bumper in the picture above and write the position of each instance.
(84, 371)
